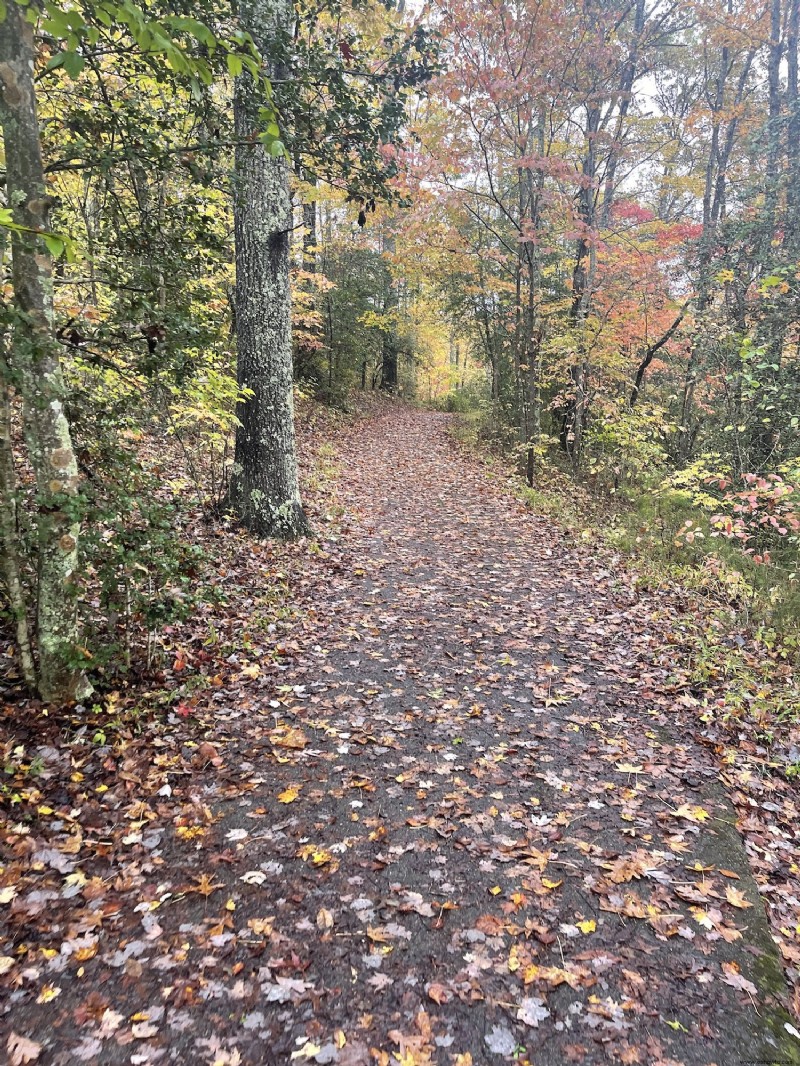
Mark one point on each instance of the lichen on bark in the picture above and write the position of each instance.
(264, 488)
(34, 364)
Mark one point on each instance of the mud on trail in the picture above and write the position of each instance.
(462, 822)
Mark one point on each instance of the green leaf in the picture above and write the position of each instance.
(56, 24)
(56, 61)
(73, 64)
(235, 64)
(55, 245)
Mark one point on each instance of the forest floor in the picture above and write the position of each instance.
(428, 796)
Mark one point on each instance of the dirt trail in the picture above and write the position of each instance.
(470, 823)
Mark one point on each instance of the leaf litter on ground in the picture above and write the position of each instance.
(436, 798)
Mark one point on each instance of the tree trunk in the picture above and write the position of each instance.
(792, 131)
(650, 352)
(9, 538)
(389, 379)
(628, 77)
(309, 344)
(264, 483)
(714, 195)
(533, 323)
(36, 372)
(583, 282)
(389, 364)
(9, 529)
(310, 235)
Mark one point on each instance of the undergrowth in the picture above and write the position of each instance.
(734, 639)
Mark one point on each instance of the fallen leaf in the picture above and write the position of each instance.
(21, 1050)
(532, 1011)
(691, 812)
(48, 993)
(144, 1030)
(500, 1041)
(439, 993)
(735, 898)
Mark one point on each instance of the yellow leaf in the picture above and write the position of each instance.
(676, 1026)
(290, 794)
(286, 737)
(339, 1038)
(205, 885)
(48, 993)
(735, 898)
(495, 891)
(588, 926)
(190, 832)
(551, 884)
(691, 813)
(261, 926)
(309, 1050)
(702, 917)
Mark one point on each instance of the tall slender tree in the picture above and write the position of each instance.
(35, 370)
(264, 485)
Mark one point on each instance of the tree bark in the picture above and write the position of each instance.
(792, 131)
(9, 539)
(308, 346)
(264, 484)
(719, 156)
(627, 80)
(650, 353)
(36, 371)
(389, 379)
(583, 282)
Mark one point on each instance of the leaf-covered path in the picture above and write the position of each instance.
(463, 822)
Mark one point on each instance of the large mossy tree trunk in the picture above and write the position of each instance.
(264, 485)
(35, 369)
